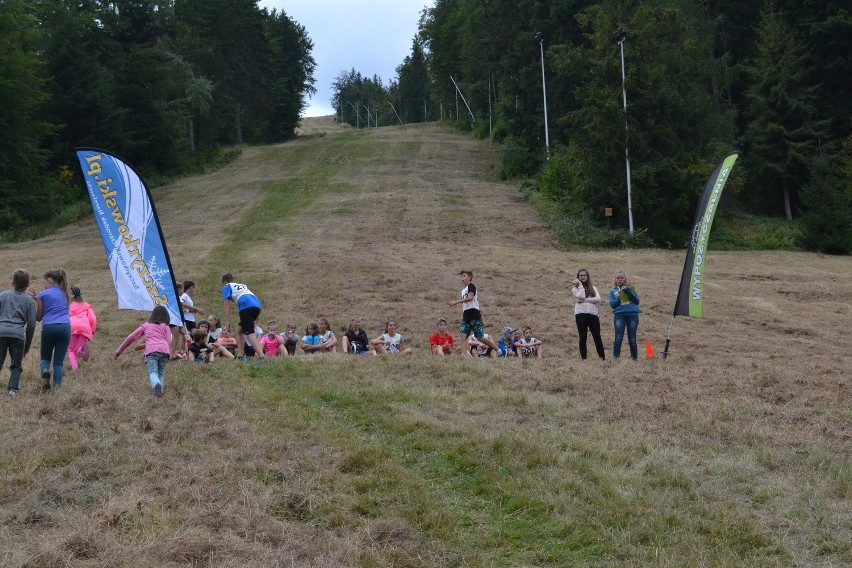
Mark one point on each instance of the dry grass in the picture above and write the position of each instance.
(735, 451)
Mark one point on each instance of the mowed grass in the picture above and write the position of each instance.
(733, 452)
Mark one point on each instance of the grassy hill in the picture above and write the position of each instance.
(733, 452)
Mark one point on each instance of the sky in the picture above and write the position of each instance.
(371, 36)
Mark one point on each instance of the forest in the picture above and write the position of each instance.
(767, 79)
(168, 85)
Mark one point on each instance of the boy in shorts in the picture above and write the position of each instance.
(471, 316)
(249, 309)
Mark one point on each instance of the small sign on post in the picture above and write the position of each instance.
(608, 215)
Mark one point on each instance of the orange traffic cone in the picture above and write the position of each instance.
(649, 351)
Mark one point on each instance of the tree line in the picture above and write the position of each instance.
(164, 84)
(767, 78)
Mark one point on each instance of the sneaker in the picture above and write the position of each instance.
(158, 391)
(45, 375)
(12, 394)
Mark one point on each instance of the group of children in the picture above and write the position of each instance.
(68, 325)
(164, 339)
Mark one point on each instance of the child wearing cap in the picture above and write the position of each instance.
(506, 344)
(84, 323)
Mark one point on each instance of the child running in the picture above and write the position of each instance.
(84, 323)
(471, 316)
(157, 335)
(17, 326)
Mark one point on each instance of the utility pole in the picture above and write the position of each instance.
(544, 94)
(620, 35)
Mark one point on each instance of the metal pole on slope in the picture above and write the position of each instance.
(544, 95)
(620, 35)
(472, 118)
(394, 111)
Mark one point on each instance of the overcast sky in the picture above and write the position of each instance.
(371, 36)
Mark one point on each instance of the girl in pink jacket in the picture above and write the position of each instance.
(84, 323)
(157, 338)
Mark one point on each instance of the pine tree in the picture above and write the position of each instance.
(782, 131)
(827, 222)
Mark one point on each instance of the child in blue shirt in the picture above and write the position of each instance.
(312, 340)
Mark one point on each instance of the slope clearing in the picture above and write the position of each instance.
(733, 452)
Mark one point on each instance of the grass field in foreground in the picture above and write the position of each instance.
(733, 452)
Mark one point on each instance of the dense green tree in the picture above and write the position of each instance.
(361, 100)
(23, 127)
(412, 88)
(827, 222)
(677, 126)
(782, 131)
(82, 85)
(292, 74)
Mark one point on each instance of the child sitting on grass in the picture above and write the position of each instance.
(213, 347)
(290, 338)
(198, 350)
(528, 345)
(272, 341)
(479, 348)
(312, 340)
(355, 340)
(390, 341)
(441, 342)
(506, 344)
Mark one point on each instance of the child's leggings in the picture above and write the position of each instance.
(156, 363)
(54, 344)
(75, 348)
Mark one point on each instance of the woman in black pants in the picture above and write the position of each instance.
(586, 312)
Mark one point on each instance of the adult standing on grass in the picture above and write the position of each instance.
(52, 312)
(17, 327)
(587, 298)
(624, 302)
(249, 310)
(471, 316)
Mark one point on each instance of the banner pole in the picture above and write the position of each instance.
(668, 339)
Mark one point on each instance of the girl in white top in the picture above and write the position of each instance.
(587, 299)
(529, 346)
(390, 341)
(328, 340)
(189, 308)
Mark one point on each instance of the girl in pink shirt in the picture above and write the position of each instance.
(84, 323)
(272, 341)
(157, 337)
